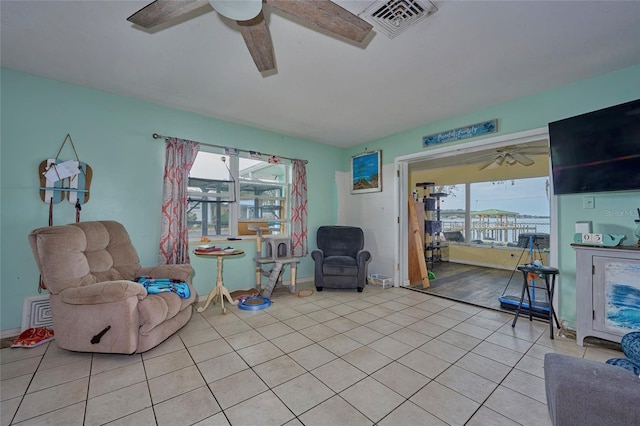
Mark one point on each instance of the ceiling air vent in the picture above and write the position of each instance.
(395, 16)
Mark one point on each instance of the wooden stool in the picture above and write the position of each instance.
(549, 287)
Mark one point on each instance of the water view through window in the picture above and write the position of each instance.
(499, 213)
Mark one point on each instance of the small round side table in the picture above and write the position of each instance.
(219, 290)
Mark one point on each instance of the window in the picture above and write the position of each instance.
(497, 212)
(232, 195)
(454, 212)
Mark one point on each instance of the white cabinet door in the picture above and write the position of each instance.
(616, 295)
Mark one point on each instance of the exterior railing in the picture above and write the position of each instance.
(506, 232)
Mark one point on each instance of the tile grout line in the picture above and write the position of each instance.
(446, 312)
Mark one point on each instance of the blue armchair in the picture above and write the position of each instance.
(340, 259)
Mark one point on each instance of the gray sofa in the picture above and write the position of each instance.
(584, 392)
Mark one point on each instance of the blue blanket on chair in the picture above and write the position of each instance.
(162, 285)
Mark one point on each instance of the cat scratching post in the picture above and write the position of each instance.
(278, 252)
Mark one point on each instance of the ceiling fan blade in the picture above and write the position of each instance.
(161, 11)
(489, 164)
(327, 15)
(258, 40)
(524, 160)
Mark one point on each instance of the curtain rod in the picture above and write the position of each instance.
(157, 136)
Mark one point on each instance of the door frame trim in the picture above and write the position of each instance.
(402, 191)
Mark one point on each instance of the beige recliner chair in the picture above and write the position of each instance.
(87, 268)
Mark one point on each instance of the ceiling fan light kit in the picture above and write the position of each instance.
(496, 163)
(238, 10)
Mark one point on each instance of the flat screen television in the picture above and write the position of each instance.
(598, 151)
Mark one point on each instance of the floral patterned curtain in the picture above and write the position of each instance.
(299, 210)
(174, 239)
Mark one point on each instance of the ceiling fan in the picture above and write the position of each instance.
(248, 14)
(511, 155)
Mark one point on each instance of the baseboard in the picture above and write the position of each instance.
(9, 333)
(483, 264)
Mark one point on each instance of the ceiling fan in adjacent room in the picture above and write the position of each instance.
(248, 14)
(511, 155)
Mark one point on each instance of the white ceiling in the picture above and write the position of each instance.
(468, 55)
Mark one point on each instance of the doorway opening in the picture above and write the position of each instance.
(479, 265)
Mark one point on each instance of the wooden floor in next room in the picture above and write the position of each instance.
(471, 284)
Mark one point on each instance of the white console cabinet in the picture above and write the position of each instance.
(607, 291)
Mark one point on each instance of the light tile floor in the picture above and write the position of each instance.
(387, 357)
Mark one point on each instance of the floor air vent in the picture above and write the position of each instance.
(395, 16)
(36, 312)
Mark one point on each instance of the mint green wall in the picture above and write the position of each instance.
(113, 135)
(614, 212)
(525, 113)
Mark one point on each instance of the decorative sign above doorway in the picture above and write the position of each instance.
(466, 132)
